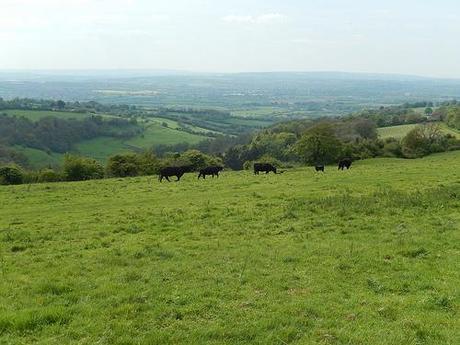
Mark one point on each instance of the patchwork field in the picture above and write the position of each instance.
(365, 256)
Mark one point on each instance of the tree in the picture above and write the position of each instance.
(429, 111)
(60, 104)
(423, 140)
(319, 145)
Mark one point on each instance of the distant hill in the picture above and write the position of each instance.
(335, 92)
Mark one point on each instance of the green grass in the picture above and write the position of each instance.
(156, 134)
(399, 132)
(39, 158)
(101, 148)
(366, 256)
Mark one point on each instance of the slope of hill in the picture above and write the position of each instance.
(399, 132)
(363, 256)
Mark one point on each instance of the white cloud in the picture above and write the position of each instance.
(267, 18)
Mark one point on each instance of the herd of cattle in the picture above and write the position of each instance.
(178, 172)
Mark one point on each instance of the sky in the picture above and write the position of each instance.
(418, 37)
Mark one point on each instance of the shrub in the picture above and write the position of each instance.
(132, 165)
(80, 168)
(11, 175)
(48, 175)
(123, 166)
(195, 159)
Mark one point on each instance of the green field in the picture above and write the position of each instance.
(155, 134)
(399, 132)
(366, 256)
(40, 158)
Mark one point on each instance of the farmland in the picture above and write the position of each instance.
(366, 256)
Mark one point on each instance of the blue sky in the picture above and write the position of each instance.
(405, 36)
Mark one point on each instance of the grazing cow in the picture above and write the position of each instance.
(345, 163)
(213, 170)
(258, 167)
(167, 172)
(319, 167)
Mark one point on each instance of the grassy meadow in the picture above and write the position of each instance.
(365, 256)
(401, 131)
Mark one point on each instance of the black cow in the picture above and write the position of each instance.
(345, 163)
(319, 167)
(258, 167)
(213, 170)
(167, 172)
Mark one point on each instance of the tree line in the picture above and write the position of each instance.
(57, 134)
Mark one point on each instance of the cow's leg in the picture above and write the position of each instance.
(160, 178)
(167, 178)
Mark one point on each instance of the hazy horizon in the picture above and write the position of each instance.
(203, 36)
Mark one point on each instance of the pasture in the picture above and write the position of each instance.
(365, 256)
(400, 132)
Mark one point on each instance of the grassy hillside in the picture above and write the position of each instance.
(103, 147)
(400, 131)
(366, 256)
(154, 134)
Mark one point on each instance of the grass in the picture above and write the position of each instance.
(101, 148)
(39, 158)
(399, 132)
(156, 134)
(366, 256)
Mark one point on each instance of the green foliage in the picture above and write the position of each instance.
(193, 158)
(423, 140)
(11, 174)
(319, 145)
(453, 117)
(77, 168)
(49, 175)
(248, 165)
(132, 165)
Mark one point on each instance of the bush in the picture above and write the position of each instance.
(48, 175)
(195, 159)
(132, 165)
(11, 175)
(80, 168)
(123, 166)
